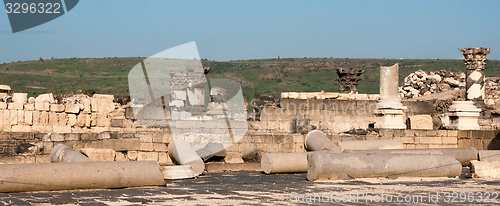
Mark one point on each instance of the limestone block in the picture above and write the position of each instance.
(196, 96)
(62, 129)
(163, 158)
(39, 105)
(147, 156)
(13, 117)
(31, 100)
(120, 145)
(20, 116)
(15, 106)
(29, 107)
(484, 169)
(117, 122)
(86, 105)
(72, 108)
(28, 117)
(89, 136)
(233, 157)
(62, 119)
(160, 147)
(48, 97)
(132, 155)
(71, 119)
(93, 120)
(21, 128)
(44, 118)
(56, 107)
(176, 103)
(88, 120)
(420, 122)
(120, 156)
(102, 103)
(146, 146)
(103, 120)
(56, 137)
(179, 95)
(20, 98)
(98, 154)
(371, 144)
(42, 158)
(80, 120)
(3, 105)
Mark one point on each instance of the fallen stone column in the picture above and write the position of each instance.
(63, 153)
(489, 155)
(485, 169)
(79, 175)
(317, 141)
(371, 144)
(360, 165)
(182, 154)
(284, 162)
(396, 151)
(463, 155)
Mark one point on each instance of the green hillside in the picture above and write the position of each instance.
(264, 76)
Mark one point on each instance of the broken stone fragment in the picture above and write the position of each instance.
(317, 141)
(63, 153)
(181, 152)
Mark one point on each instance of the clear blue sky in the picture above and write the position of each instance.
(231, 30)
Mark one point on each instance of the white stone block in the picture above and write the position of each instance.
(20, 98)
(72, 108)
(483, 169)
(420, 122)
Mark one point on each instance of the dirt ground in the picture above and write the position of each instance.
(257, 188)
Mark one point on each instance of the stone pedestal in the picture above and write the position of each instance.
(475, 60)
(463, 115)
(389, 111)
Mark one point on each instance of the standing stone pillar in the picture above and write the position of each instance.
(389, 109)
(475, 60)
(463, 114)
(349, 79)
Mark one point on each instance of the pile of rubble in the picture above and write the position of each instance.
(492, 92)
(421, 83)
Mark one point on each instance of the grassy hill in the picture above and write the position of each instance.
(263, 76)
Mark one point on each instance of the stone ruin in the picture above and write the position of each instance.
(391, 126)
(349, 79)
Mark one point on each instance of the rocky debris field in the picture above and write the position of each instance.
(422, 83)
(445, 86)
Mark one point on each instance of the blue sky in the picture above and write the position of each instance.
(231, 30)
